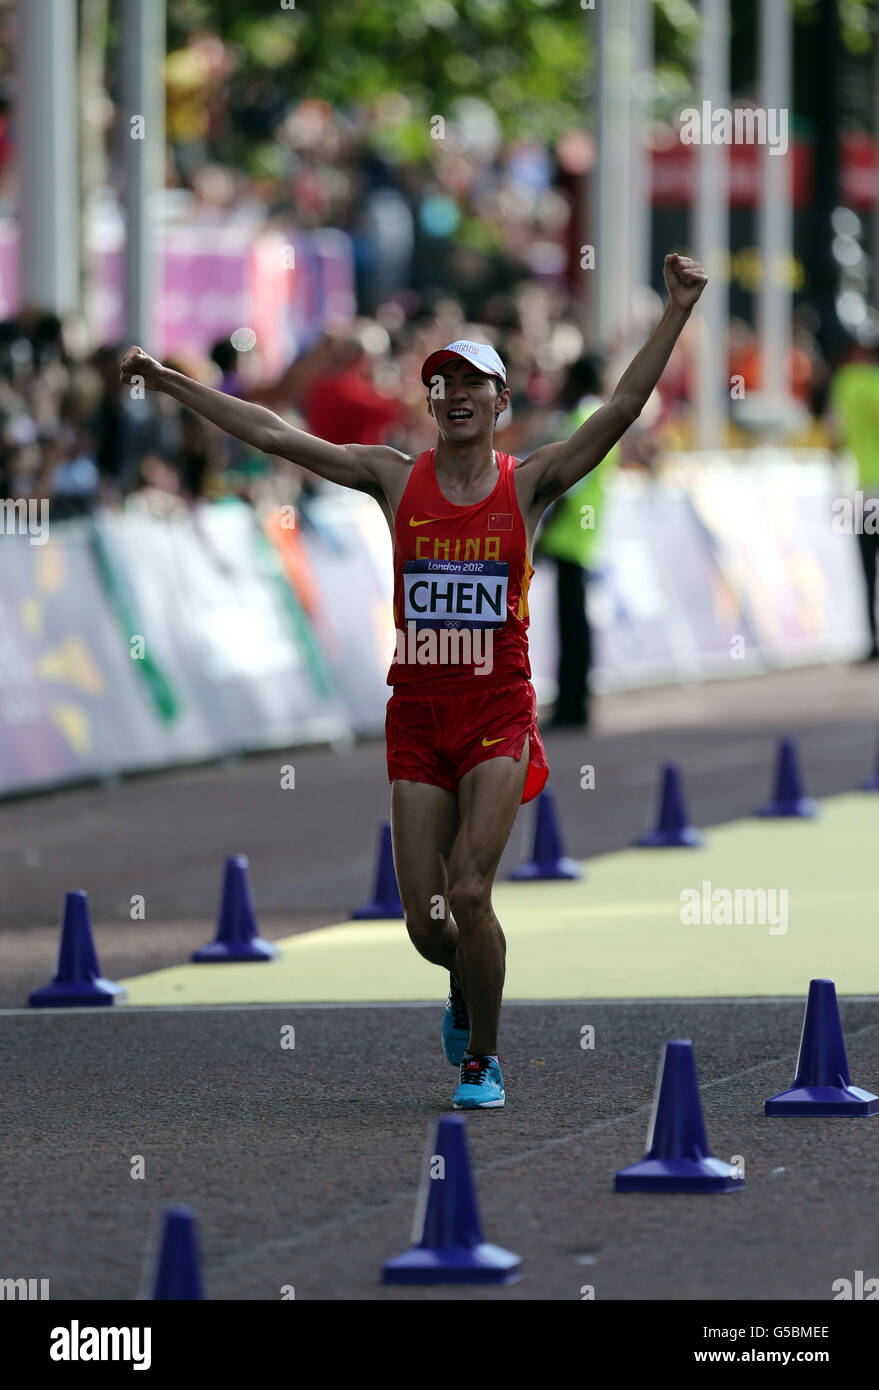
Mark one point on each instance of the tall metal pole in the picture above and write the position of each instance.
(821, 266)
(776, 213)
(601, 202)
(711, 230)
(587, 209)
(613, 92)
(93, 16)
(143, 160)
(47, 122)
(640, 197)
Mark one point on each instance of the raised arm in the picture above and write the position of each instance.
(369, 468)
(552, 469)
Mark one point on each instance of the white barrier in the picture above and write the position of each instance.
(129, 642)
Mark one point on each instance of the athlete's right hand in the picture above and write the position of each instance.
(137, 363)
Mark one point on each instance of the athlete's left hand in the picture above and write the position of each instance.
(685, 279)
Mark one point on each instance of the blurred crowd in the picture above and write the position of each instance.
(475, 238)
(70, 431)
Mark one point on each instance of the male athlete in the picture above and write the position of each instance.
(462, 741)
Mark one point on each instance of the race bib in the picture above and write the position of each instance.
(455, 593)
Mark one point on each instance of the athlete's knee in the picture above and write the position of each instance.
(469, 895)
(427, 926)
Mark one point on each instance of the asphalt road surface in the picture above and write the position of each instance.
(303, 1164)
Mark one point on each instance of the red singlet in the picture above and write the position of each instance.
(461, 674)
(460, 574)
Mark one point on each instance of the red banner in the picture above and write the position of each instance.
(674, 172)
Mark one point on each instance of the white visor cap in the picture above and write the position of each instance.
(481, 355)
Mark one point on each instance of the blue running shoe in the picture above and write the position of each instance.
(456, 1024)
(481, 1086)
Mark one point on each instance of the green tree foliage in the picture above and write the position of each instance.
(531, 60)
(528, 58)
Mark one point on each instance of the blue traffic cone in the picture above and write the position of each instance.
(678, 1158)
(673, 830)
(78, 983)
(873, 784)
(237, 938)
(823, 1084)
(178, 1272)
(548, 859)
(451, 1249)
(788, 798)
(385, 901)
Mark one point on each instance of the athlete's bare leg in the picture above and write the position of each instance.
(488, 798)
(424, 821)
(447, 849)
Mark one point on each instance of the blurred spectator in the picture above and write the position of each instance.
(125, 427)
(805, 366)
(72, 475)
(199, 458)
(29, 342)
(194, 77)
(157, 490)
(225, 356)
(343, 405)
(570, 537)
(854, 401)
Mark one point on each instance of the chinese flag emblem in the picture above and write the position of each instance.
(500, 521)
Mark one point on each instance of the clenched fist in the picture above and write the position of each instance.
(137, 363)
(685, 280)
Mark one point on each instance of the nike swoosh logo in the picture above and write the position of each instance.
(413, 522)
(487, 742)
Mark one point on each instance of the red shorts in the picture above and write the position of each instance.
(438, 738)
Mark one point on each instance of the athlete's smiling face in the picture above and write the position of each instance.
(467, 404)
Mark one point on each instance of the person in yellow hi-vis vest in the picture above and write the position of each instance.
(854, 403)
(571, 538)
